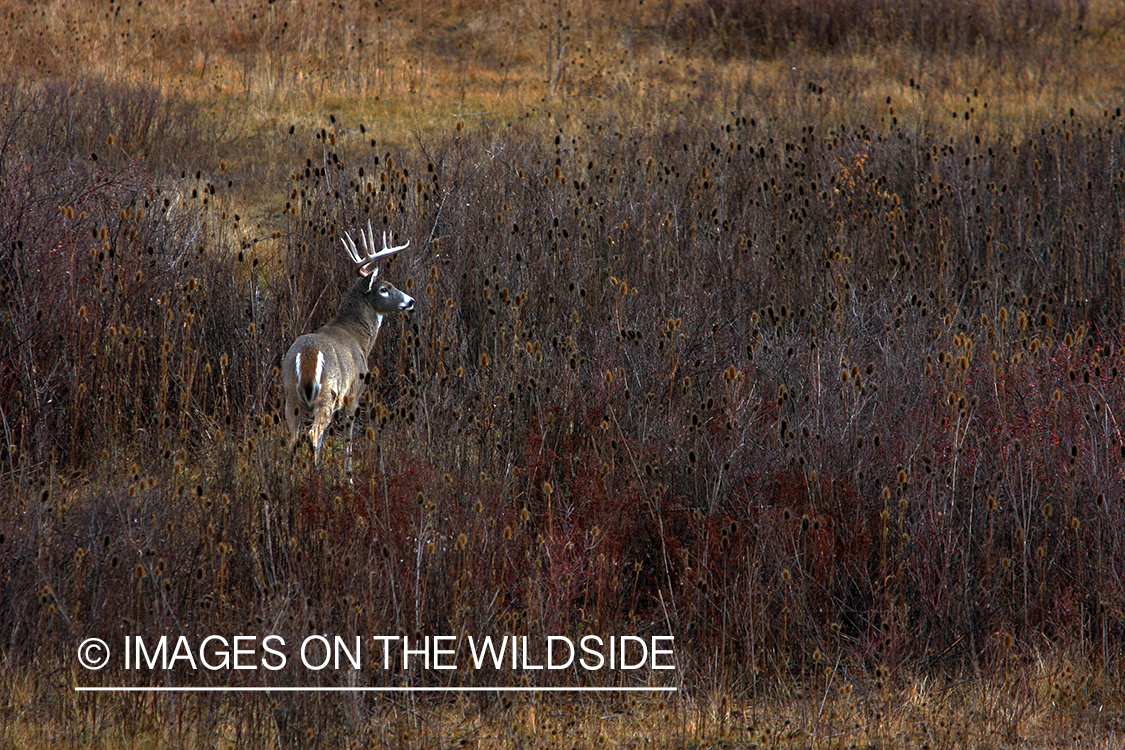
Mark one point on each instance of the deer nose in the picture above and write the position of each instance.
(408, 304)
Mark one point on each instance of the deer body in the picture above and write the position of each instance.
(324, 372)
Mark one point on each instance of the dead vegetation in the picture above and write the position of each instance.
(804, 356)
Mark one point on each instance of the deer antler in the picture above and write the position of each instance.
(365, 262)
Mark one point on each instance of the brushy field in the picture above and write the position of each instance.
(791, 330)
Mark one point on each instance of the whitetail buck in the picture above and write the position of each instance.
(324, 372)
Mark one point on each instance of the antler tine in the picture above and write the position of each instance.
(372, 253)
(353, 251)
(369, 241)
(390, 250)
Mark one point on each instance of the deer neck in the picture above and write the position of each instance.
(359, 319)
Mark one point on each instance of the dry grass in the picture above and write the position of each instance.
(804, 347)
(1028, 707)
(409, 66)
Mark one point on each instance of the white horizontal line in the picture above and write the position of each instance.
(318, 689)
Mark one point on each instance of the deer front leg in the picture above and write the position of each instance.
(351, 405)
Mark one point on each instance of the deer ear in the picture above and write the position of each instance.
(371, 279)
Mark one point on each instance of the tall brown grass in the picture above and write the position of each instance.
(831, 397)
